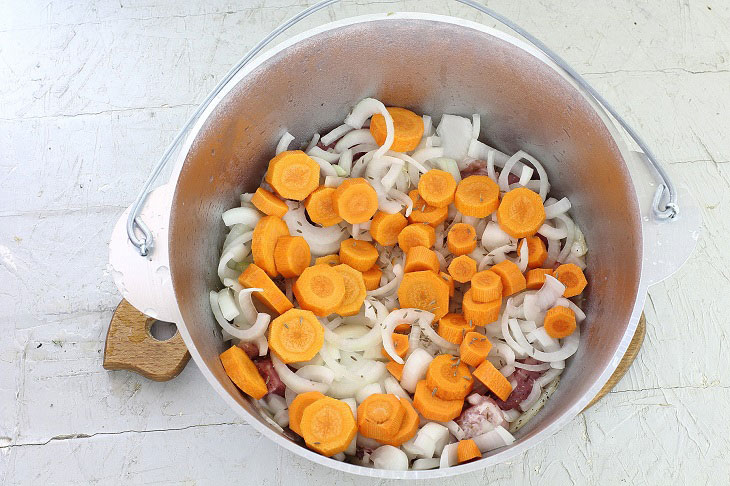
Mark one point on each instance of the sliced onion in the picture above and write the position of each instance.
(508, 370)
(528, 326)
(476, 125)
(494, 237)
(388, 326)
(410, 160)
(263, 344)
(415, 369)
(508, 168)
(275, 403)
(568, 349)
(391, 286)
(524, 256)
(548, 377)
(363, 110)
(335, 134)
(519, 336)
(511, 415)
(228, 306)
(579, 314)
(390, 458)
(428, 153)
(454, 429)
(551, 232)
(369, 339)
(245, 216)
(330, 357)
(424, 320)
(525, 175)
(558, 365)
(403, 199)
(367, 442)
(504, 352)
(494, 439)
(326, 168)
(449, 456)
(570, 230)
(542, 175)
(455, 132)
(333, 181)
(284, 142)
(354, 138)
(480, 150)
(297, 383)
(424, 464)
(367, 390)
(448, 165)
(317, 373)
(490, 166)
(553, 250)
(549, 293)
(322, 241)
(289, 396)
(547, 342)
(414, 340)
(248, 310)
(345, 161)
(519, 350)
(557, 208)
(392, 386)
(312, 142)
(438, 433)
(531, 367)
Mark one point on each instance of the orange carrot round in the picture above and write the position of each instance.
(474, 348)
(425, 213)
(480, 313)
(536, 251)
(421, 258)
(320, 207)
(265, 234)
(291, 255)
(449, 377)
(535, 278)
(320, 288)
(486, 286)
(408, 129)
(437, 188)
(354, 291)
(424, 290)
(462, 239)
(416, 235)
(328, 426)
(520, 213)
(360, 255)
(272, 297)
(400, 341)
(453, 328)
(513, 280)
(408, 427)
(296, 409)
(559, 322)
(372, 277)
(355, 200)
(572, 277)
(295, 336)
(433, 407)
(493, 379)
(328, 260)
(395, 369)
(462, 268)
(477, 196)
(380, 416)
(293, 175)
(241, 370)
(449, 281)
(385, 228)
(467, 450)
(268, 203)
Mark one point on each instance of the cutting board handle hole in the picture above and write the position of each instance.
(161, 330)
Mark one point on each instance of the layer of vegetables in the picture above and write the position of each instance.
(397, 297)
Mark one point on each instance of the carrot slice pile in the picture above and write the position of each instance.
(520, 213)
(535, 278)
(291, 255)
(462, 239)
(372, 277)
(355, 200)
(268, 203)
(536, 251)
(328, 260)
(296, 409)
(320, 288)
(449, 377)
(272, 297)
(360, 255)
(416, 235)
(293, 175)
(408, 129)
(559, 322)
(433, 407)
(512, 279)
(437, 188)
(493, 379)
(320, 207)
(449, 281)
(385, 228)
(424, 290)
(265, 234)
(477, 196)
(408, 427)
(474, 348)
(241, 370)
(453, 328)
(395, 369)
(400, 341)
(421, 258)
(296, 336)
(424, 213)
(379, 416)
(486, 286)
(462, 268)
(480, 313)
(572, 277)
(354, 290)
(467, 450)
(328, 426)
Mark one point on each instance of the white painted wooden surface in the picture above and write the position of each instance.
(92, 91)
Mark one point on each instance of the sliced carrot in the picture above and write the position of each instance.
(379, 416)
(572, 277)
(360, 255)
(424, 290)
(408, 427)
(328, 260)
(520, 213)
(449, 377)
(462, 268)
(453, 327)
(416, 235)
(320, 207)
(272, 296)
(480, 313)
(425, 213)
(433, 407)
(512, 279)
(268, 203)
(355, 200)
(421, 258)
(462, 239)
(328, 426)
(536, 251)
(477, 196)
(296, 336)
(401, 345)
(559, 322)
(467, 450)
(486, 286)
(291, 255)
(493, 379)
(474, 348)
(320, 288)
(536, 277)
(385, 228)
(395, 369)
(407, 129)
(241, 370)
(449, 281)
(372, 277)
(437, 188)
(296, 409)
(354, 291)
(265, 234)
(293, 175)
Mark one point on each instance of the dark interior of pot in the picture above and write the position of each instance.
(432, 68)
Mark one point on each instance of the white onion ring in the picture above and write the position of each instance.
(557, 208)
(297, 383)
(551, 232)
(494, 439)
(530, 367)
(570, 229)
(570, 346)
(427, 153)
(415, 369)
(390, 458)
(322, 241)
(367, 390)
(476, 125)
(424, 320)
(391, 286)
(284, 142)
(227, 305)
(524, 256)
(519, 351)
(248, 310)
(392, 386)
(449, 456)
(548, 377)
(335, 133)
(579, 314)
(245, 216)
